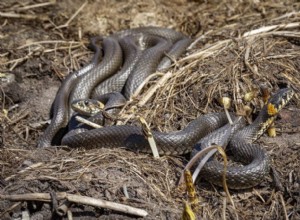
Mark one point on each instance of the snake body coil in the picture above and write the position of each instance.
(256, 164)
(82, 84)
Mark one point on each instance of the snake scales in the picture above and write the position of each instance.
(128, 58)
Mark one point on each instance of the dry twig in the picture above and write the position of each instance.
(24, 16)
(38, 5)
(84, 200)
(72, 17)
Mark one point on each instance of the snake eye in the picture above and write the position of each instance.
(86, 102)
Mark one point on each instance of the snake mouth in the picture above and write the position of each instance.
(279, 100)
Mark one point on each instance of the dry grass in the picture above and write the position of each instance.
(227, 59)
(227, 68)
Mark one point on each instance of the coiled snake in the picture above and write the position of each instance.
(140, 52)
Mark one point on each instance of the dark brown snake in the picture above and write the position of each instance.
(145, 55)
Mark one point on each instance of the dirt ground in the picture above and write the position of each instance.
(42, 42)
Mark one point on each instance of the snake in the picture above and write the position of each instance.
(152, 44)
(94, 78)
(202, 132)
(241, 144)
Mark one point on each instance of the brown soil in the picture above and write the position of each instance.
(40, 45)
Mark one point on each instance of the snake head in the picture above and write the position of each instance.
(88, 107)
(279, 100)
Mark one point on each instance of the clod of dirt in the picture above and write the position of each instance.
(13, 92)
